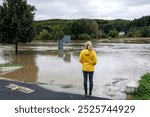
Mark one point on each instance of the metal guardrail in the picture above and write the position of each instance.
(14, 87)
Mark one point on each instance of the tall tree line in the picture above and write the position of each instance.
(94, 28)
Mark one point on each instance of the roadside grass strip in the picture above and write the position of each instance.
(14, 87)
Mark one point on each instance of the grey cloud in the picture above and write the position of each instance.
(62, 8)
(135, 2)
(107, 9)
(103, 9)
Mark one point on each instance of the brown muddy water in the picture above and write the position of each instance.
(117, 65)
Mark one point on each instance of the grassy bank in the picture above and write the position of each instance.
(143, 89)
(9, 65)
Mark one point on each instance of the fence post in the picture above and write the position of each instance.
(60, 44)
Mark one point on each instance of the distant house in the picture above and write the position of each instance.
(121, 33)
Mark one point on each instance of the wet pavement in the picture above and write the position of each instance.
(38, 94)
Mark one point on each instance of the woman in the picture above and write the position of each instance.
(88, 59)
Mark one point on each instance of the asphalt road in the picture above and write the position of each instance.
(38, 94)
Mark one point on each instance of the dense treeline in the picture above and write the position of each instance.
(92, 28)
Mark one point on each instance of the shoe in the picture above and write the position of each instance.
(90, 94)
(85, 94)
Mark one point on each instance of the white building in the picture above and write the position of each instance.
(121, 33)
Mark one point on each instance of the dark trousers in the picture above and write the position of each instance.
(87, 75)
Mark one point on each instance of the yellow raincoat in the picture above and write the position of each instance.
(88, 58)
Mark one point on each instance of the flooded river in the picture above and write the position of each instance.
(117, 65)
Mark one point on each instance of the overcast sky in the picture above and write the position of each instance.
(95, 9)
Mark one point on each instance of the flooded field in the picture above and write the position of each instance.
(117, 65)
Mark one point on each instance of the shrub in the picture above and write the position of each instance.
(44, 35)
(58, 35)
(113, 33)
(84, 36)
(73, 37)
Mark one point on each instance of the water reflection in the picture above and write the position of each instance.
(29, 71)
(66, 55)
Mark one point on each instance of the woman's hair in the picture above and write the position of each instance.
(88, 45)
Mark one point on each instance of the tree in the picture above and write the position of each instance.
(145, 31)
(85, 26)
(84, 36)
(16, 22)
(113, 33)
(44, 35)
(134, 32)
(58, 35)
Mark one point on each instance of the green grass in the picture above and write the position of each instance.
(9, 65)
(143, 89)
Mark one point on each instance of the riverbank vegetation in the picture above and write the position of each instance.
(143, 89)
(9, 65)
(81, 29)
